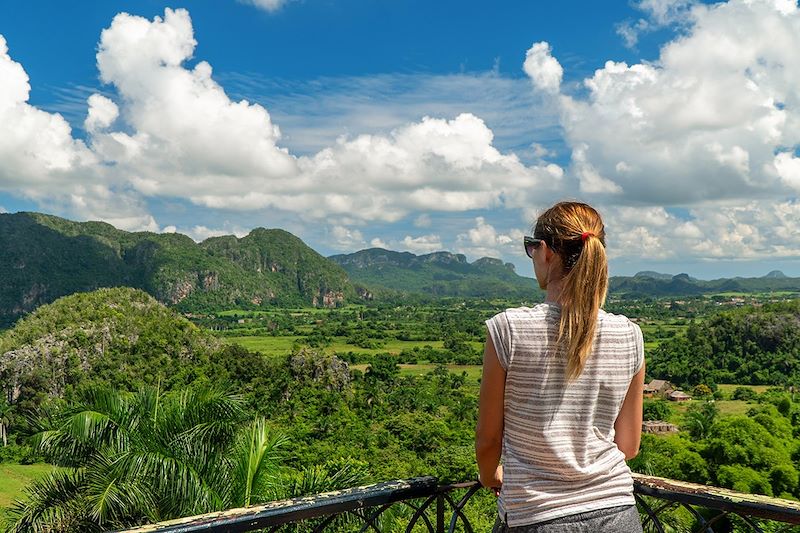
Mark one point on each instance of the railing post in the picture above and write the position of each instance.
(440, 513)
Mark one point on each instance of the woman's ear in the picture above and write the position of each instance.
(548, 253)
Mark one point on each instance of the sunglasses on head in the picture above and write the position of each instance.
(531, 243)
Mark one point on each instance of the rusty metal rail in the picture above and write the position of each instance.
(438, 508)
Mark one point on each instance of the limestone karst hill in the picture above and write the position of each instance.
(45, 257)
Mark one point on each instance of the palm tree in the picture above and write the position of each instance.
(148, 456)
(699, 418)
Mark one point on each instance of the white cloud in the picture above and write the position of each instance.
(433, 165)
(378, 243)
(540, 151)
(187, 137)
(423, 221)
(184, 137)
(102, 113)
(36, 148)
(659, 14)
(788, 167)
(543, 69)
(267, 5)
(591, 182)
(704, 121)
(43, 162)
(314, 113)
(753, 230)
(3, 209)
(199, 233)
(484, 240)
(424, 244)
(346, 238)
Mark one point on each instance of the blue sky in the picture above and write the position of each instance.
(414, 125)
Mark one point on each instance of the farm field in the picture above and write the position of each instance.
(276, 346)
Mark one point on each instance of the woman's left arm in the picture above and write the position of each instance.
(489, 433)
(628, 426)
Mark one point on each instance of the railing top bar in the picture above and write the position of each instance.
(456, 486)
(718, 498)
(281, 512)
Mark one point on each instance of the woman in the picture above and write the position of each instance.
(561, 393)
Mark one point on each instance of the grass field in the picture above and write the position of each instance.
(651, 328)
(13, 479)
(728, 389)
(299, 311)
(726, 407)
(272, 346)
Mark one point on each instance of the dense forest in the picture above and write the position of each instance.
(750, 345)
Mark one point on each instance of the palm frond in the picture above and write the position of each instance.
(255, 460)
(178, 489)
(55, 502)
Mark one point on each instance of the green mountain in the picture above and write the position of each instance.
(438, 274)
(652, 274)
(45, 257)
(445, 274)
(119, 336)
(646, 285)
(750, 345)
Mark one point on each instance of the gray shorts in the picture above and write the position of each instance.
(623, 519)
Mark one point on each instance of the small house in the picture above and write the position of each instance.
(678, 396)
(657, 387)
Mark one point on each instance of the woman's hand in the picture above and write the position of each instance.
(495, 482)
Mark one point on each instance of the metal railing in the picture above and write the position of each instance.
(665, 506)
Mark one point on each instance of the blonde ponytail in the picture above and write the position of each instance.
(575, 231)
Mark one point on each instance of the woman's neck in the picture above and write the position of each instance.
(554, 288)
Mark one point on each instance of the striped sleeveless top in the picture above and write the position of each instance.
(559, 455)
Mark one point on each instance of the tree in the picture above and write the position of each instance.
(148, 457)
(702, 391)
(744, 479)
(743, 393)
(699, 418)
(656, 410)
(383, 368)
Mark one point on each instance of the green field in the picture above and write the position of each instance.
(655, 331)
(728, 389)
(298, 311)
(13, 479)
(272, 346)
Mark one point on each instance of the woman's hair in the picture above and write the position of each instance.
(575, 232)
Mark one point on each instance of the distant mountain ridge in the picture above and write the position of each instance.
(45, 257)
(436, 274)
(654, 284)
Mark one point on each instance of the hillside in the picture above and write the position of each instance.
(655, 285)
(46, 257)
(120, 337)
(749, 346)
(437, 274)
